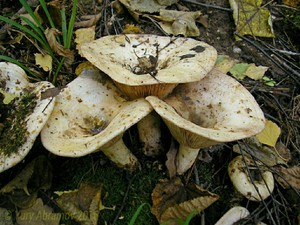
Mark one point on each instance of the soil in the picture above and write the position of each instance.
(127, 191)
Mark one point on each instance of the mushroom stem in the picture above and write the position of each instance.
(185, 158)
(121, 155)
(150, 134)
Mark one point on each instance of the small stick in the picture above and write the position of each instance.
(208, 6)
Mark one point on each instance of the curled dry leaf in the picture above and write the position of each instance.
(58, 48)
(90, 21)
(289, 177)
(172, 200)
(177, 22)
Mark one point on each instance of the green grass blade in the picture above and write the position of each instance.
(64, 26)
(189, 218)
(44, 6)
(31, 13)
(58, 70)
(9, 59)
(71, 24)
(136, 214)
(36, 29)
(25, 30)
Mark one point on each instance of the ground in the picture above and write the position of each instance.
(128, 190)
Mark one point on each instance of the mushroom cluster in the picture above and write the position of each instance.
(146, 79)
(200, 105)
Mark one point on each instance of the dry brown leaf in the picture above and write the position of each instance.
(84, 204)
(22, 190)
(268, 155)
(89, 22)
(54, 8)
(167, 2)
(58, 48)
(142, 6)
(172, 200)
(179, 23)
(289, 177)
(38, 214)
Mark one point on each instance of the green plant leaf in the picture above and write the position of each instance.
(136, 214)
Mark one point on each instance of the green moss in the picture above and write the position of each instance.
(14, 133)
(115, 182)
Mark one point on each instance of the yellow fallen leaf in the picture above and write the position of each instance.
(240, 70)
(270, 134)
(224, 63)
(256, 72)
(84, 35)
(82, 66)
(251, 18)
(131, 29)
(8, 97)
(293, 3)
(44, 61)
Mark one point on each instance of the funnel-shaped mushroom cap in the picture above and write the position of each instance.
(157, 62)
(24, 116)
(213, 110)
(89, 115)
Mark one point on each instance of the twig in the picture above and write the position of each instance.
(130, 180)
(208, 6)
(282, 65)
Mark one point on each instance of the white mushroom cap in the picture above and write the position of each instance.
(233, 215)
(257, 190)
(137, 60)
(90, 114)
(15, 82)
(213, 110)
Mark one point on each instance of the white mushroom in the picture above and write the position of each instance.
(213, 110)
(26, 115)
(91, 114)
(233, 215)
(143, 65)
(256, 190)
